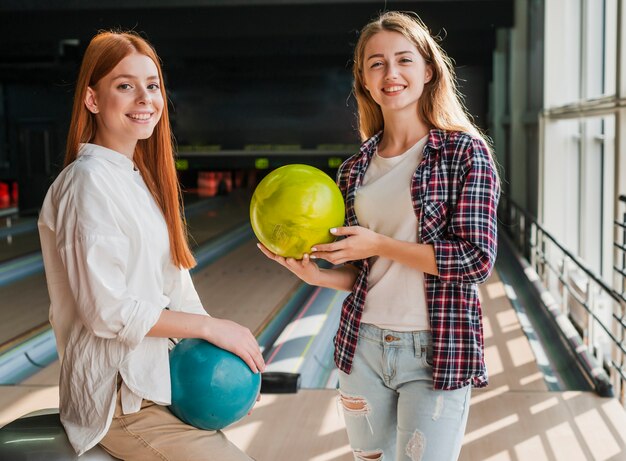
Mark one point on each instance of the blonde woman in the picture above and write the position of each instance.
(116, 258)
(421, 197)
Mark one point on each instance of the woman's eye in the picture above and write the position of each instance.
(153, 86)
(124, 86)
(376, 64)
(406, 60)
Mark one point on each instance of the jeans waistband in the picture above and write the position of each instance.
(395, 338)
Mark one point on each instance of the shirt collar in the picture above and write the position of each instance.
(110, 155)
(369, 147)
(436, 139)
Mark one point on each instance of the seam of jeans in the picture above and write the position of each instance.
(144, 441)
(370, 340)
(468, 393)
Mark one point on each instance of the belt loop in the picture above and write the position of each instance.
(417, 347)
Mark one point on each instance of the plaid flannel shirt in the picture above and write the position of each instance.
(455, 192)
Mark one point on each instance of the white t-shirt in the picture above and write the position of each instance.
(109, 272)
(395, 296)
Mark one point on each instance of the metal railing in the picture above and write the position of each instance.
(576, 296)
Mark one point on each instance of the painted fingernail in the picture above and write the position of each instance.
(313, 257)
(313, 249)
(333, 230)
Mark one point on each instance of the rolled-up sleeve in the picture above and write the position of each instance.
(95, 252)
(468, 253)
(96, 268)
(183, 295)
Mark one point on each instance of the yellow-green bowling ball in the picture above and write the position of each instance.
(294, 207)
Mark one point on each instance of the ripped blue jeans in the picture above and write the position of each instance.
(391, 410)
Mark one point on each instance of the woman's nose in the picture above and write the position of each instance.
(144, 96)
(392, 72)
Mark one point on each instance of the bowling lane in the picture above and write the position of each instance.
(245, 286)
(22, 244)
(22, 238)
(24, 308)
(210, 221)
(24, 303)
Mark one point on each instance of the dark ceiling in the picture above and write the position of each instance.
(264, 37)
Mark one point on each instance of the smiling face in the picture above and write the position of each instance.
(394, 72)
(127, 103)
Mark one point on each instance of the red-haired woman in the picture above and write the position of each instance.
(116, 256)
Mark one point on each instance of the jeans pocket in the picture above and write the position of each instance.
(427, 355)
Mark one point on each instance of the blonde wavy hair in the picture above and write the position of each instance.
(440, 104)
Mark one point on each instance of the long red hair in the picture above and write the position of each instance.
(154, 156)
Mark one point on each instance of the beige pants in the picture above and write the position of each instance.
(154, 433)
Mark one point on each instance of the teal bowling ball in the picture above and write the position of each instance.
(211, 388)
(293, 208)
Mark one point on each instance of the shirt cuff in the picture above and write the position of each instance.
(141, 320)
(447, 261)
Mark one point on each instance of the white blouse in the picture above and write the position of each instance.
(109, 272)
(396, 298)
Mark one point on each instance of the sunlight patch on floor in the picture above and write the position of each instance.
(616, 415)
(479, 397)
(332, 420)
(562, 440)
(493, 360)
(543, 406)
(490, 429)
(532, 445)
(245, 433)
(495, 290)
(520, 351)
(332, 455)
(17, 401)
(525, 380)
(597, 435)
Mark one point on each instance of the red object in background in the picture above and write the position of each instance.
(228, 181)
(211, 183)
(14, 193)
(218, 179)
(251, 179)
(239, 176)
(5, 198)
(207, 184)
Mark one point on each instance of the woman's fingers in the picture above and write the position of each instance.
(251, 355)
(335, 257)
(253, 358)
(297, 263)
(345, 230)
(237, 339)
(257, 357)
(335, 246)
(247, 358)
(279, 259)
(265, 251)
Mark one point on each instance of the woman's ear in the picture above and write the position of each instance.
(428, 74)
(90, 101)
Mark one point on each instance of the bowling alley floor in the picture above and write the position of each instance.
(516, 418)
